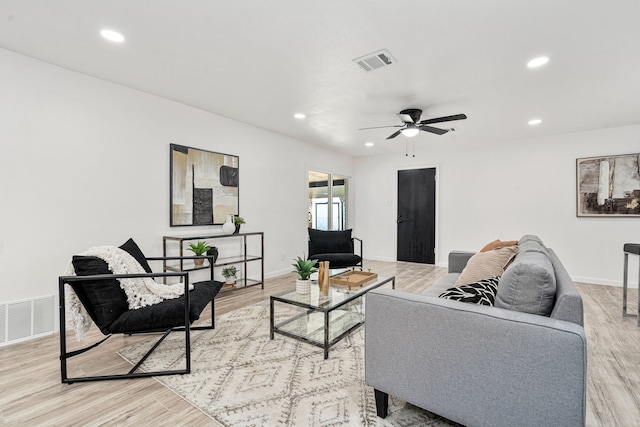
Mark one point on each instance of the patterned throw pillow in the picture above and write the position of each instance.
(482, 292)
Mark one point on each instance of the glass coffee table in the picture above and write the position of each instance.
(322, 320)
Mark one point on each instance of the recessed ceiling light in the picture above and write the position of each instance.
(299, 116)
(368, 144)
(534, 122)
(113, 36)
(538, 62)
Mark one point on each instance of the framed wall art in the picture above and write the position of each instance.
(608, 186)
(204, 186)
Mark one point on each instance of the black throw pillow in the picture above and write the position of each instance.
(321, 241)
(482, 292)
(132, 248)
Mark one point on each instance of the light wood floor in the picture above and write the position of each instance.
(31, 393)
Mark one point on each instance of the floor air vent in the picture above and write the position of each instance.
(374, 60)
(26, 319)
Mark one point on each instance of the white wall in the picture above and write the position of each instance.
(502, 190)
(84, 162)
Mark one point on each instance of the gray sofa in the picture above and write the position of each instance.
(480, 365)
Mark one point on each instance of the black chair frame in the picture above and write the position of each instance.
(353, 239)
(65, 355)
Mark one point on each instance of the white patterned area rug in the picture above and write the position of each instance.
(239, 377)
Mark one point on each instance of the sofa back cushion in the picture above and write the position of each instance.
(529, 283)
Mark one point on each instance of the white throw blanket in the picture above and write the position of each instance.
(140, 291)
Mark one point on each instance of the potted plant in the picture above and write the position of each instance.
(304, 268)
(229, 274)
(238, 221)
(199, 249)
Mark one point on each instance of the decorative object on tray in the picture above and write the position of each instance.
(238, 221)
(199, 249)
(304, 268)
(229, 227)
(323, 278)
(229, 274)
(353, 279)
(204, 186)
(608, 186)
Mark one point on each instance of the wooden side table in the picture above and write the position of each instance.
(634, 249)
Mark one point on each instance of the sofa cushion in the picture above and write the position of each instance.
(482, 292)
(484, 265)
(528, 284)
(533, 244)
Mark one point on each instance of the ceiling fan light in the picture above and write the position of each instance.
(410, 131)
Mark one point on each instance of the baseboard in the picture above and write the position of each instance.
(597, 281)
(272, 274)
(374, 258)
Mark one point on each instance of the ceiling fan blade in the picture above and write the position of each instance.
(444, 119)
(406, 118)
(380, 127)
(431, 129)
(393, 135)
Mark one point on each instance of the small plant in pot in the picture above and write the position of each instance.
(238, 221)
(229, 274)
(305, 268)
(199, 249)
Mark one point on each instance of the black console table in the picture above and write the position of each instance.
(244, 258)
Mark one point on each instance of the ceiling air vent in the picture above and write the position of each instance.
(375, 60)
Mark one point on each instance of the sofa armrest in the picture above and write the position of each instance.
(458, 260)
(475, 365)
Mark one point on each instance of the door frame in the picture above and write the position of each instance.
(437, 216)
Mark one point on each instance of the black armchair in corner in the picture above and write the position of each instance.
(337, 247)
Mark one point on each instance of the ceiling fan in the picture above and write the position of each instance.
(412, 124)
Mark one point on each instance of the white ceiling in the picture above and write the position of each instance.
(260, 61)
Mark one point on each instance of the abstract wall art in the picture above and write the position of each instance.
(608, 186)
(204, 186)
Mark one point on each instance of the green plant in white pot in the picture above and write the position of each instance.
(199, 249)
(229, 274)
(305, 268)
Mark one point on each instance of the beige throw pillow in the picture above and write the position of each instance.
(484, 265)
(498, 244)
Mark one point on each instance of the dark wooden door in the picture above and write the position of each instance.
(417, 215)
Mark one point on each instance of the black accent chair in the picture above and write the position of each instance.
(337, 247)
(99, 292)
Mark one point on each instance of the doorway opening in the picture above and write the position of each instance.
(328, 201)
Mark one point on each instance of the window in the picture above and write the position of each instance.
(325, 187)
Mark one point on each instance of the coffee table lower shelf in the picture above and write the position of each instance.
(321, 321)
(319, 330)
